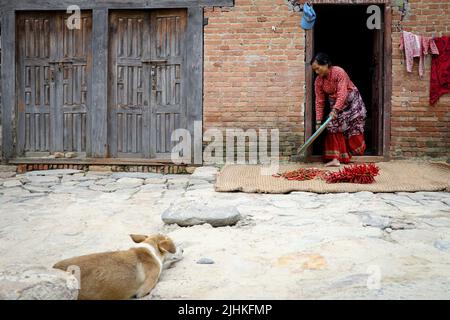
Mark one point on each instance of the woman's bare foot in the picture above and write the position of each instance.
(333, 163)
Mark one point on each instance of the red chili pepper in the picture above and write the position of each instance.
(358, 173)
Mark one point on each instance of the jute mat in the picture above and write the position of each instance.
(395, 176)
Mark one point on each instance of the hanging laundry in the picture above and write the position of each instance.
(416, 46)
(440, 70)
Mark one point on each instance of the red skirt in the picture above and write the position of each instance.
(337, 146)
(345, 133)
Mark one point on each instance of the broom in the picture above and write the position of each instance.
(308, 143)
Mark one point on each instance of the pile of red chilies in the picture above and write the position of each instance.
(302, 174)
(357, 173)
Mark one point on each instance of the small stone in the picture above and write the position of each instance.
(205, 173)
(388, 230)
(155, 181)
(42, 180)
(100, 168)
(154, 187)
(112, 187)
(130, 182)
(57, 172)
(15, 192)
(12, 183)
(205, 261)
(6, 175)
(70, 155)
(86, 183)
(196, 182)
(36, 189)
(7, 168)
(103, 182)
(189, 213)
(59, 154)
(190, 170)
(24, 282)
(375, 221)
(136, 175)
(177, 183)
(442, 245)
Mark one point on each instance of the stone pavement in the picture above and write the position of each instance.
(295, 246)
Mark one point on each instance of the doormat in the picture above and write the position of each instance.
(395, 176)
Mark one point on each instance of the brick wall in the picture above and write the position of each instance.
(419, 129)
(255, 76)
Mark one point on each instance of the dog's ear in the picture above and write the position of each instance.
(167, 246)
(138, 238)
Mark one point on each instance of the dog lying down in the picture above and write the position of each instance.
(120, 275)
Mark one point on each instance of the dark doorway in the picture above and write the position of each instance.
(341, 31)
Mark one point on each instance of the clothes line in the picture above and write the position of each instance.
(415, 46)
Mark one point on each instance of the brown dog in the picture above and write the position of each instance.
(120, 275)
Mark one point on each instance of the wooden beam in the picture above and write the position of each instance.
(93, 161)
(111, 4)
(99, 110)
(355, 159)
(309, 85)
(387, 81)
(194, 91)
(8, 85)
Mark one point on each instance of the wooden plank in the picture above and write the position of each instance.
(78, 132)
(23, 119)
(56, 113)
(193, 90)
(387, 81)
(90, 161)
(8, 27)
(99, 111)
(355, 159)
(111, 4)
(309, 85)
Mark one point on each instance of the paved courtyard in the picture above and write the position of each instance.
(295, 246)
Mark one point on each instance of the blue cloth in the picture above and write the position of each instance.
(309, 17)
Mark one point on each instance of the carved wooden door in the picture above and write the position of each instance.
(146, 101)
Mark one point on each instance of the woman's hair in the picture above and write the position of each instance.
(322, 59)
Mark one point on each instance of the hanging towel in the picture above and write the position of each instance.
(416, 46)
(411, 45)
(428, 47)
(440, 70)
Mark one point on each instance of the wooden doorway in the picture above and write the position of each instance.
(341, 31)
(53, 84)
(147, 98)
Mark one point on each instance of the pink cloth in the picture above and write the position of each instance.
(416, 46)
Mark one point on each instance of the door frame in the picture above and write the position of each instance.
(386, 79)
(99, 85)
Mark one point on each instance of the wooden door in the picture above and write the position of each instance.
(72, 123)
(53, 81)
(146, 102)
(377, 92)
(35, 79)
